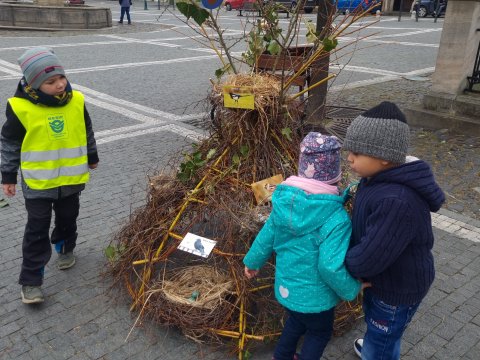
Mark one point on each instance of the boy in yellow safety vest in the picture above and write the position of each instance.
(48, 135)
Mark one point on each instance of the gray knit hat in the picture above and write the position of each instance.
(38, 64)
(380, 132)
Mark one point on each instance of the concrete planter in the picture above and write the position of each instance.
(54, 17)
(49, 2)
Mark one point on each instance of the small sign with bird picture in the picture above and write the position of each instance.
(264, 189)
(240, 97)
(197, 245)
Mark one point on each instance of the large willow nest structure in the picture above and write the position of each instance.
(210, 195)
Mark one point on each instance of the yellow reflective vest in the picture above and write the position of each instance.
(54, 150)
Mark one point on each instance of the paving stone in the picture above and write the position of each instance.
(448, 328)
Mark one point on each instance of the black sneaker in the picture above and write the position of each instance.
(357, 346)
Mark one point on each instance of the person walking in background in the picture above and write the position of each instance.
(392, 234)
(309, 231)
(125, 9)
(48, 135)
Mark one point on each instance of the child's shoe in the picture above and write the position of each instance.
(65, 261)
(32, 294)
(357, 346)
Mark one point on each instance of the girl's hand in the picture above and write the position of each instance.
(250, 273)
(9, 189)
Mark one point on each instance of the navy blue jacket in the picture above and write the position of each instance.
(392, 234)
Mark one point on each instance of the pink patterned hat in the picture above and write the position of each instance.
(320, 158)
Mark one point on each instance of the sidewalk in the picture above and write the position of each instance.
(80, 320)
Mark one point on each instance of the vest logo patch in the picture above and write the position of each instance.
(57, 127)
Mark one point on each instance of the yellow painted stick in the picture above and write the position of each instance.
(314, 86)
(260, 288)
(241, 339)
(218, 252)
(285, 149)
(212, 45)
(236, 334)
(199, 201)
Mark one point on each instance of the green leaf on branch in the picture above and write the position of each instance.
(287, 132)
(329, 43)
(190, 10)
(189, 167)
(244, 150)
(236, 159)
(219, 72)
(197, 156)
(311, 31)
(274, 48)
(210, 153)
(113, 253)
(110, 252)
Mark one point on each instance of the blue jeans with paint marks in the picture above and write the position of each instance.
(385, 326)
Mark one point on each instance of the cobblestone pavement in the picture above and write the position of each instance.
(455, 158)
(130, 78)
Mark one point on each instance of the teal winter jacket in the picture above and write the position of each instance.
(309, 234)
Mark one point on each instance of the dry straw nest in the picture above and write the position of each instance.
(215, 201)
(199, 286)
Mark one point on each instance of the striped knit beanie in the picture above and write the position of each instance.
(38, 64)
(381, 132)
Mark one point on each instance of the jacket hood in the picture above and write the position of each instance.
(20, 93)
(418, 176)
(296, 212)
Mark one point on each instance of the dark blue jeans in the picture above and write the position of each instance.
(385, 326)
(123, 11)
(316, 327)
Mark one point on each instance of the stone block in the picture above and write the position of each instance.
(54, 17)
(49, 2)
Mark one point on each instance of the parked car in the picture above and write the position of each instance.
(308, 6)
(291, 4)
(345, 6)
(235, 4)
(429, 7)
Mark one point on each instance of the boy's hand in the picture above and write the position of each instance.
(93, 166)
(9, 189)
(365, 285)
(250, 273)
